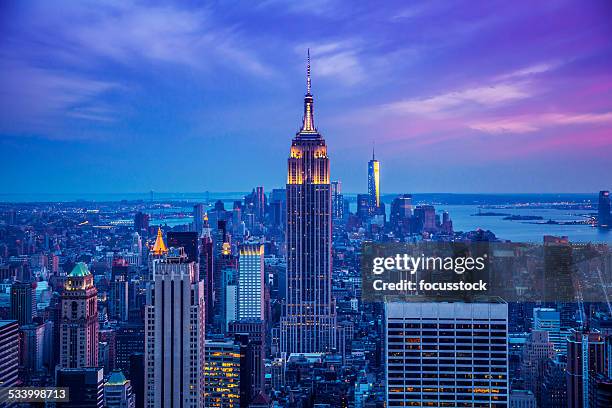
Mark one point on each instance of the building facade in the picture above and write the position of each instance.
(174, 334)
(309, 322)
(251, 302)
(79, 320)
(446, 354)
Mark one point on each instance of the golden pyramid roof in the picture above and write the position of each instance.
(159, 248)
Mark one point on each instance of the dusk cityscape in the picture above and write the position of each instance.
(192, 194)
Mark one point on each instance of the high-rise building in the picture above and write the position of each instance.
(23, 302)
(85, 386)
(222, 370)
(401, 211)
(79, 320)
(251, 302)
(118, 290)
(118, 392)
(538, 349)
(141, 222)
(9, 353)
(363, 206)
(585, 359)
(260, 204)
(255, 330)
(309, 321)
(446, 354)
(337, 200)
(374, 184)
(425, 216)
(129, 338)
(278, 204)
(198, 218)
(604, 218)
(207, 267)
(174, 334)
(549, 320)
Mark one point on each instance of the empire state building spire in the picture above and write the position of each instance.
(308, 120)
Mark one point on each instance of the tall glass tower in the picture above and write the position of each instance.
(373, 184)
(308, 324)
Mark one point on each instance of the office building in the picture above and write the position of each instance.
(425, 217)
(198, 218)
(85, 386)
(9, 353)
(207, 268)
(255, 330)
(585, 359)
(308, 323)
(446, 354)
(222, 373)
(23, 302)
(549, 320)
(118, 291)
(538, 349)
(251, 302)
(118, 392)
(79, 320)
(337, 200)
(174, 334)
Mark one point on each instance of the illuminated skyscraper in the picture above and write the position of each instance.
(308, 323)
(374, 184)
(222, 374)
(79, 320)
(251, 282)
(174, 333)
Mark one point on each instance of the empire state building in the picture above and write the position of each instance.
(308, 324)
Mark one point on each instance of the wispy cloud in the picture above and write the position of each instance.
(533, 123)
(530, 70)
(441, 104)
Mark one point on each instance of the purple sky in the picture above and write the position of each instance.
(474, 96)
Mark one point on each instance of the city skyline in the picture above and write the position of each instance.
(83, 85)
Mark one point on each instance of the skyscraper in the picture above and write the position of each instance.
(337, 200)
(308, 323)
(23, 302)
(9, 359)
(222, 374)
(118, 301)
(585, 359)
(174, 334)
(79, 320)
(198, 218)
(374, 184)
(603, 210)
(446, 354)
(251, 282)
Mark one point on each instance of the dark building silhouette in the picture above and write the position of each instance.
(85, 386)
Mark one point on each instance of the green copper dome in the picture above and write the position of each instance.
(80, 269)
(116, 378)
